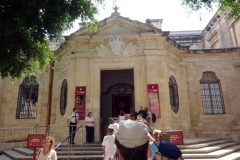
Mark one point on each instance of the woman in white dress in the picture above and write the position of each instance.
(47, 152)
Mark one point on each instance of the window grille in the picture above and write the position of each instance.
(173, 92)
(27, 99)
(212, 98)
(63, 97)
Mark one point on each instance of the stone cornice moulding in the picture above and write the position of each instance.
(209, 51)
(177, 44)
(182, 63)
(79, 55)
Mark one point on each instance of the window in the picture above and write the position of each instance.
(173, 92)
(63, 97)
(27, 99)
(212, 99)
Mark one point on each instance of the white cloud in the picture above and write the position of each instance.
(175, 16)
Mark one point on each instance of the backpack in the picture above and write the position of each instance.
(154, 118)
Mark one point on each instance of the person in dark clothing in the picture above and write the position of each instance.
(143, 112)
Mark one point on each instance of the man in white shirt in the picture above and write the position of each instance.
(108, 144)
(72, 122)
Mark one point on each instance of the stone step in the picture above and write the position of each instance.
(209, 149)
(215, 154)
(204, 144)
(3, 157)
(232, 156)
(29, 152)
(17, 156)
(79, 149)
(190, 141)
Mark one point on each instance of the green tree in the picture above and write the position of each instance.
(24, 26)
(232, 5)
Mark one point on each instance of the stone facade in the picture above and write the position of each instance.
(120, 44)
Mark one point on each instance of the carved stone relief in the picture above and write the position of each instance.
(117, 47)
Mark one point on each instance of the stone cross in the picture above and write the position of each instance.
(116, 8)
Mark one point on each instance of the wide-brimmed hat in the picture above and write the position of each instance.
(132, 134)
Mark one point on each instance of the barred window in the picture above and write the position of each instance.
(63, 97)
(212, 98)
(173, 92)
(27, 99)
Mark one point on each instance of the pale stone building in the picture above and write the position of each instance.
(197, 74)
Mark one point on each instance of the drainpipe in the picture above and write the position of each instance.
(48, 118)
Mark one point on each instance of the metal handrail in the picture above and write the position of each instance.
(68, 136)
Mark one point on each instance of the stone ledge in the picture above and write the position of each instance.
(209, 51)
(215, 116)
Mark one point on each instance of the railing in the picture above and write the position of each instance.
(69, 141)
(33, 130)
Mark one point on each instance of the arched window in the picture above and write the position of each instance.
(212, 98)
(63, 97)
(173, 92)
(27, 99)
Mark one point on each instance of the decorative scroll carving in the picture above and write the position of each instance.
(117, 47)
(130, 48)
(102, 50)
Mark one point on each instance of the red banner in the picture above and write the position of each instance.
(35, 140)
(80, 101)
(153, 99)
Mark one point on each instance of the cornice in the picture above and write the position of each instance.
(209, 51)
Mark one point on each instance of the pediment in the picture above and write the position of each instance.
(116, 25)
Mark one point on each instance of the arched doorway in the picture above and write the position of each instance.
(117, 93)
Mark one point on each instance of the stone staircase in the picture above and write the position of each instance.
(193, 149)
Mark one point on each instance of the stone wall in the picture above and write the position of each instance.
(222, 65)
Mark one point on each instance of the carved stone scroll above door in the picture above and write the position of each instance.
(116, 47)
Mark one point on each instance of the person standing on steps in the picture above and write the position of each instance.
(89, 123)
(72, 122)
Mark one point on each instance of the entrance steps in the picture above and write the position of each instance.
(193, 149)
(210, 149)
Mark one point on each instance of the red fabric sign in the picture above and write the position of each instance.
(35, 140)
(153, 99)
(176, 137)
(80, 101)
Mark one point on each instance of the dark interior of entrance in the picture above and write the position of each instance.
(117, 93)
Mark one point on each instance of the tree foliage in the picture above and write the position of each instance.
(24, 26)
(232, 5)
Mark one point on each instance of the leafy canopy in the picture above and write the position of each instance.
(25, 26)
(232, 5)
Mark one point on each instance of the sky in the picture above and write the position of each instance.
(175, 16)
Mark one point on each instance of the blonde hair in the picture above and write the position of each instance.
(51, 140)
(127, 115)
(164, 136)
(156, 133)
